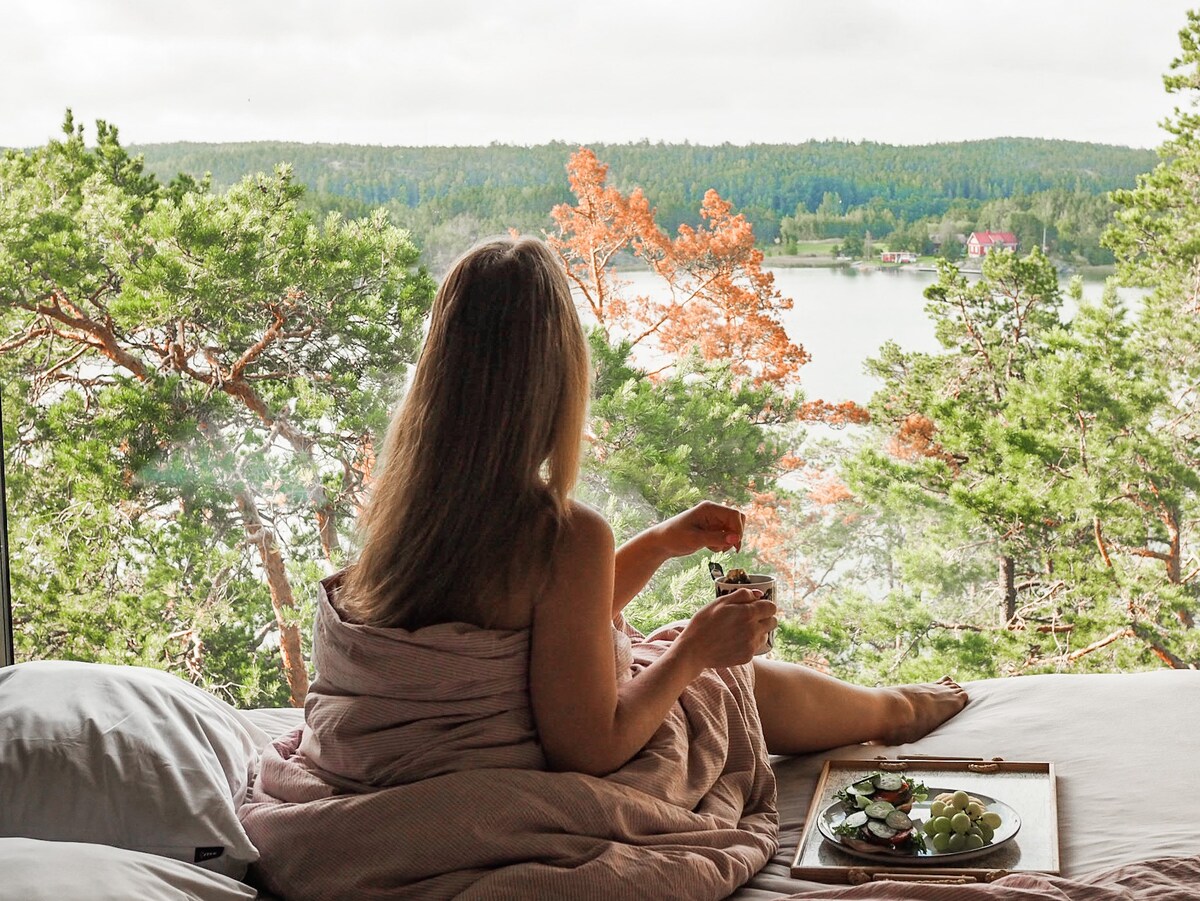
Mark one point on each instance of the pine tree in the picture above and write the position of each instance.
(193, 381)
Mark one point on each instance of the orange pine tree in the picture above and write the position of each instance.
(716, 295)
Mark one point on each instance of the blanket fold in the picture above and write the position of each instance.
(418, 774)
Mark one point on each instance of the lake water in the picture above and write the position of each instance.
(843, 316)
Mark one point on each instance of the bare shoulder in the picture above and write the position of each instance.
(586, 541)
(586, 533)
(587, 523)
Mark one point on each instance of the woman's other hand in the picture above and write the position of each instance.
(706, 525)
(730, 630)
(668, 632)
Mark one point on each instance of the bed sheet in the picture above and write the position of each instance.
(1122, 746)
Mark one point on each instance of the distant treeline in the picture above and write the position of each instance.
(472, 190)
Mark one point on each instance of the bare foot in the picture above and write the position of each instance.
(922, 708)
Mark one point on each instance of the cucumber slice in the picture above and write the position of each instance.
(881, 830)
(889, 782)
(865, 787)
(878, 810)
(898, 820)
(856, 819)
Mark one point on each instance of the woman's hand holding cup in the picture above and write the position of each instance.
(765, 585)
(730, 630)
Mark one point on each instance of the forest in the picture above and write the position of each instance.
(448, 197)
(196, 373)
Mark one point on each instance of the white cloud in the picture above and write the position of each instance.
(472, 72)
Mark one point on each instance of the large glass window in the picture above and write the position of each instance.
(196, 378)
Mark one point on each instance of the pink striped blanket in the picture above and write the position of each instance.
(418, 774)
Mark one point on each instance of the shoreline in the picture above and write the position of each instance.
(805, 261)
(819, 261)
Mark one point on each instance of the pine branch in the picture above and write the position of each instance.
(31, 334)
(1102, 643)
(1055, 628)
(956, 627)
(255, 350)
(1148, 634)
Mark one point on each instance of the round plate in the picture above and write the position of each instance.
(832, 815)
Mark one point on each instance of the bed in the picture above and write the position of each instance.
(124, 783)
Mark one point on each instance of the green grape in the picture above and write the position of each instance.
(974, 810)
(960, 823)
(956, 842)
(973, 842)
(960, 800)
(928, 827)
(986, 831)
(941, 824)
(941, 842)
(936, 809)
(991, 819)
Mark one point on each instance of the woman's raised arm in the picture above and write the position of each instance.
(707, 525)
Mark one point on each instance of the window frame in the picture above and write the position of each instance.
(7, 654)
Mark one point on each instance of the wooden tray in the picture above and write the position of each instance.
(1027, 787)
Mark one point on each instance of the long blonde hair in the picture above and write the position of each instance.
(483, 452)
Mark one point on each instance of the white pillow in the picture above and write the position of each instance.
(275, 721)
(125, 756)
(60, 871)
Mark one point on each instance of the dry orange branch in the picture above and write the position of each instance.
(716, 295)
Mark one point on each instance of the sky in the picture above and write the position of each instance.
(422, 72)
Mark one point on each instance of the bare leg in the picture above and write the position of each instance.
(803, 710)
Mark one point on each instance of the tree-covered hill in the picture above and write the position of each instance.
(505, 185)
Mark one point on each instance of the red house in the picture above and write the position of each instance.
(982, 243)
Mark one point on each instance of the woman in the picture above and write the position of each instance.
(470, 677)
(496, 540)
